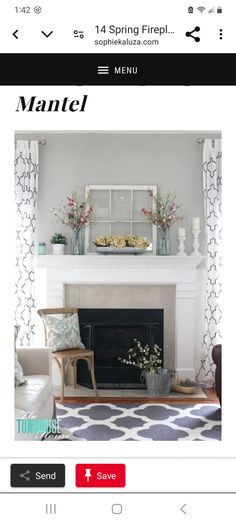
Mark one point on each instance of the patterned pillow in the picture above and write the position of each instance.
(19, 375)
(63, 333)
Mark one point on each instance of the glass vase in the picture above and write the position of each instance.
(163, 242)
(77, 242)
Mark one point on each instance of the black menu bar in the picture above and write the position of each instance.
(117, 69)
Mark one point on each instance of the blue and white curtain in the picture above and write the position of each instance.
(26, 196)
(212, 184)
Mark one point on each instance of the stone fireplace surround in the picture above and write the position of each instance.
(174, 283)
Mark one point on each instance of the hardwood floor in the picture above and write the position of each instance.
(211, 397)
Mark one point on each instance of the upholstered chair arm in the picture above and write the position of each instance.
(34, 360)
(216, 354)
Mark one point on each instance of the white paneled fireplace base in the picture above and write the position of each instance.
(175, 284)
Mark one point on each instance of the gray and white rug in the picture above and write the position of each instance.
(114, 421)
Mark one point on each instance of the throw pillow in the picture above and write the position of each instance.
(63, 334)
(19, 375)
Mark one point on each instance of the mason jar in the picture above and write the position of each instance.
(42, 248)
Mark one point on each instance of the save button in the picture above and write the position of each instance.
(100, 475)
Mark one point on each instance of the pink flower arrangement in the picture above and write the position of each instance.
(163, 213)
(74, 213)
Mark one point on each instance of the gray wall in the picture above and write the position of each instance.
(171, 161)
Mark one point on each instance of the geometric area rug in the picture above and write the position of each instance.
(135, 422)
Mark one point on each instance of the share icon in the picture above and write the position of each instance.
(190, 34)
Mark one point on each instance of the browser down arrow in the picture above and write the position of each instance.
(47, 35)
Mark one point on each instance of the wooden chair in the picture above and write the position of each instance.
(69, 357)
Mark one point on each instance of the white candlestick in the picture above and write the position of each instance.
(181, 232)
(196, 252)
(181, 239)
(196, 224)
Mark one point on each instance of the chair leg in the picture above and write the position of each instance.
(62, 379)
(93, 376)
(74, 373)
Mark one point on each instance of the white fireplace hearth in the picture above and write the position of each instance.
(63, 280)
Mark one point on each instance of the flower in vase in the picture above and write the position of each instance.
(75, 213)
(163, 213)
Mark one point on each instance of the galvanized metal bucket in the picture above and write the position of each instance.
(159, 384)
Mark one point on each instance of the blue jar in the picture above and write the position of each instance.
(42, 248)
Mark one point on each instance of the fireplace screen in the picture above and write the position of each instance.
(110, 333)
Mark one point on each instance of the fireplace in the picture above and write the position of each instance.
(175, 284)
(110, 333)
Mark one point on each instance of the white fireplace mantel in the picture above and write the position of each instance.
(53, 272)
(121, 269)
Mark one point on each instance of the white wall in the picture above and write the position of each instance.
(172, 161)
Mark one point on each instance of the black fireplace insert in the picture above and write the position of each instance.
(110, 333)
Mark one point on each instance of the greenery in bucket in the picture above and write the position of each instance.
(58, 238)
(145, 358)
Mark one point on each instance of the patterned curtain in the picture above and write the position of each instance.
(26, 195)
(212, 182)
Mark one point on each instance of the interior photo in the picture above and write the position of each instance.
(118, 285)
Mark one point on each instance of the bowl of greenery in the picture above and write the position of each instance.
(186, 386)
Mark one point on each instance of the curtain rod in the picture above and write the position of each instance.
(41, 142)
(202, 140)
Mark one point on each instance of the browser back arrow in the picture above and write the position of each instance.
(14, 34)
(182, 509)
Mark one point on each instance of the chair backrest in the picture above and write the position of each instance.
(55, 311)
